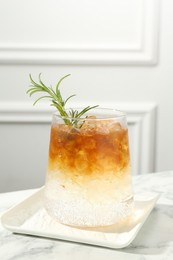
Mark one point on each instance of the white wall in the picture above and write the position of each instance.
(119, 54)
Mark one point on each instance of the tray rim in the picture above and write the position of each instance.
(19, 230)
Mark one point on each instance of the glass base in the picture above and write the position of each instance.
(86, 214)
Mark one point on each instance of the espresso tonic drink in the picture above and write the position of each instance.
(88, 179)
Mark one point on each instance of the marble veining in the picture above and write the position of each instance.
(154, 241)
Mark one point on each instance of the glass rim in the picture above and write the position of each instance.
(114, 114)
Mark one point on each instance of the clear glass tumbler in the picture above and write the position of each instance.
(88, 180)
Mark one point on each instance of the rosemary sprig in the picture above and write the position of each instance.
(71, 117)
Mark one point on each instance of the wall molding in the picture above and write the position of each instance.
(141, 53)
(141, 118)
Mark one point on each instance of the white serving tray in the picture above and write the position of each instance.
(30, 217)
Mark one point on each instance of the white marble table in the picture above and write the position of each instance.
(154, 241)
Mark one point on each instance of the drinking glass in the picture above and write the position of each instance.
(88, 181)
